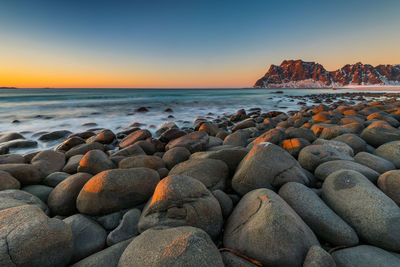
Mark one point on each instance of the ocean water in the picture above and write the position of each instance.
(40, 110)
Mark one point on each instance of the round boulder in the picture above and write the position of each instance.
(325, 169)
(48, 161)
(390, 151)
(389, 183)
(194, 142)
(95, 161)
(374, 162)
(8, 182)
(151, 162)
(175, 156)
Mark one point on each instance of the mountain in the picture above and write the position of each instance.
(301, 74)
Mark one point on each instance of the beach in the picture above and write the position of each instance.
(104, 177)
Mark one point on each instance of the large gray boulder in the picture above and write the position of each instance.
(317, 215)
(267, 166)
(364, 256)
(118, 189)
(379, 133)
(181, 200)
(212, 173)
(48, 161)
(354, 141)
(264, 227)
(14, 198)
(389, 183)
(374, 216)
(390, 151)
(318, 257)
(88, 236)
(26, 174)
(374, 162)
(29, 238)
(180, 246)
(323, 170)
(194, 142)
(127, 229)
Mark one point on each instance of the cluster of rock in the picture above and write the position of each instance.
(316, 187)
(301, 74)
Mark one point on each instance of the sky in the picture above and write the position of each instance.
(186, 43)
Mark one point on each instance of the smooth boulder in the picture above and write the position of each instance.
(94, 162)
(325, 169)
(374, 162)
(194, 142)
(389, 183)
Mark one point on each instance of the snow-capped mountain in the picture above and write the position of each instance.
(301, 74)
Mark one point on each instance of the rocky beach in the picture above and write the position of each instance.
(313, 186)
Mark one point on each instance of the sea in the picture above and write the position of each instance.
(31, 111)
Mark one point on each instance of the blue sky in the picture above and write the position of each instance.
(186, 43)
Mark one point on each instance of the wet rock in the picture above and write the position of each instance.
(134, 137)
(153, 248)
(374, 216)
(210, 128)
(105, 137)
(70, 143)
(54, 135)
(175, 156)
(62, 200)
(329, 167)
(25, 173)
(194, 142)
(88, 236)
(48, 161)
(18, 143)
(318, 257)
(211, 172)
(266, 166)
(390, 151)
(8, 182)
(131, 150)
(72, 164)
(127, 229)
(364, 256)
(389, 183)
(151, 162)
(181, 200)
(263, 227)
(312, 156)
(41, 191)
(29, 238)
(94, 162)
(10, 136)
(317, 215)
(374, 162)
(118, 189)
(11, 158)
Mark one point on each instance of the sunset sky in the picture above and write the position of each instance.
(178, 44)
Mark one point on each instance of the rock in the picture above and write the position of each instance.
(354, 141)
(151, 162)
(54, 135)
(134, 137)
(194, 142)
(389, 183)
(29, 238)
(105, 137)
(180, 246)
(11, 158)
(231, 260)
(8, 182)
(110, 221)
(55, 178)
(175, 156)
(330, 131)
(374, 216)
(132, 150)
(148, 147)
(104, 258)
(325, 169)
(62, 200)
(41, 191)
(339, 146)
(379, 133)
(118, 189)
(4, 150)
(210, 128)
(266, 166)
(390, 151)
(244, 124)
(14, 198)
(225, 202)
(274, 136)
(127, 229)
(312, 156)
(18, 143)
(70, 143)
(94, 162)
(25, 173)
(181, 200)
(318, 257)
(48, 161)
(263, 227)
(72, 164)
(295, 145)
(376, 163)
(364, 256)
(238, 138)
(317, 215)
(212, 173)
(88, 236)
(165, 126)
(171, 134)
(300, 133)
(83, 149)
(214, 141)
(10, 136)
